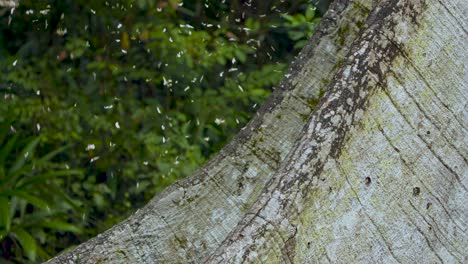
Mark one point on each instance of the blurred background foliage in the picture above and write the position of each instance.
(105, 103)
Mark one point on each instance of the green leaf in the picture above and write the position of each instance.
(12, 177)
(42, 253)
(241, 56)
(6, 149)
(5, 219)
(59, 225)
(99, 200)
(288, 17)
(27, 152)
(28, 243)
(25, 196)
(44, 177)
(3, 234)
(300, 44)
(296, 35)
(59, 192)
(310, 13)
(4, 130)
(52, 154)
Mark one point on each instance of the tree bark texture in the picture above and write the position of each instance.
(373, 171)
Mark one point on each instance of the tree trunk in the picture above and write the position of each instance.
(374, 171)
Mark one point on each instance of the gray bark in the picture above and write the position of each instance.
(375, 172)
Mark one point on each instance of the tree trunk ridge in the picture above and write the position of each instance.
(374, 171)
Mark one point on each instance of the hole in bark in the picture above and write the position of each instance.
(308, 244)
(368, 181)
(428, 205)
(416, 191)
(428, 132)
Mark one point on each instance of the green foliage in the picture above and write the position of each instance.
(141, 93)
(301, 26)
(31, 200)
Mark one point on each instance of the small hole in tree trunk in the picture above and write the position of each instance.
(368, 181)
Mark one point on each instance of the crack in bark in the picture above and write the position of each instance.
(429, 191)
(381, 234)
(428, 145)
(426, 239)
(174, 234)
(227, 193)
(427, 118)
(421, 76)
(453, 16)
(410, 168)
(435, 234)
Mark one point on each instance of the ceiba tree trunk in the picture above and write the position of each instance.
(358, 156)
